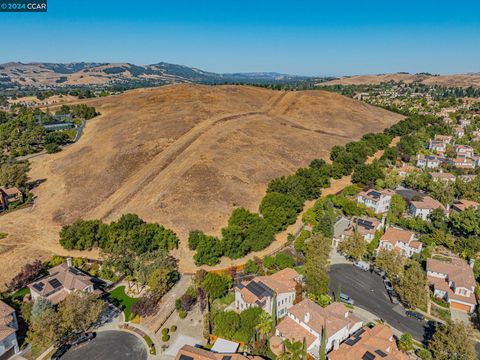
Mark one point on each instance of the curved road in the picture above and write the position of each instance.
(110, 345)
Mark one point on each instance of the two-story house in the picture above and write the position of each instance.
(306, 319)
(462, 163)
(365, 226)
(428, 162)
(438, 147)
(462, 205)
(61, 281)
(424, 207)
(452, 279)
(463, 150)
(263, 290)
(8, 329)
(400, 240)
(443, 138)
(458, 131)
(442, 176)
(369, 344)
(378, 201)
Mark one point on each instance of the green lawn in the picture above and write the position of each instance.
(118, 297)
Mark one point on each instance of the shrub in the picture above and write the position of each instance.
(173, 328)
(165, 331)
(165, 337)
(182, 314)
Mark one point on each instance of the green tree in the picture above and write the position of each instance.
(405, 343)
(317, 264)
(323, 346)
(354, 246)
(216, 285)
(453, 342)
(265, 324)
(397, 207)
(413, 286)
(391, 262)
(46, 329)
(225, 324)
(79, 311)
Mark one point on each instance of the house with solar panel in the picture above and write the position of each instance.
(307, 321)
(378, 201)
(365, 226)
(261, 291)
(61, 281)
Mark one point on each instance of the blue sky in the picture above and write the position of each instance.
(297, 37)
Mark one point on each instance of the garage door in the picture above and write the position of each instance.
(8, 354)
(460, 306)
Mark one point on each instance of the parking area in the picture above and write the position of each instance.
(110, 345)
(368, 292)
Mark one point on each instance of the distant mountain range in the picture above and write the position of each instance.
(54, 75)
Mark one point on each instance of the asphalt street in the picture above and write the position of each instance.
(368, 292)
(109, 345)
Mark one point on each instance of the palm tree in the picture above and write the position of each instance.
(265, 325)
(295, 348)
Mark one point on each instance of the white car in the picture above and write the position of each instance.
(388, 284)
(362, 265)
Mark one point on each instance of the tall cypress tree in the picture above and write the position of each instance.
(274, 310)
(323, 346)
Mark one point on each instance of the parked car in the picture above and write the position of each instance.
(388, 285)
(393, 296)
(415, 315)
(362, 265)
(346, 299)
(83, 338)
(379, 271)
(60, 352)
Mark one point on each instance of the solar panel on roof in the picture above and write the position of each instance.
(352, 341)
(38, 286)
(374, 193)
(55, 283)
(226, 357)
(365, 223)
(259, 289)
(381, 353)
(368, 356)
(360, 332)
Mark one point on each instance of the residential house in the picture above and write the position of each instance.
(8, 329)
(400, 240)
(11, 195)
(61, 281)
(443, 138)
(378, 201)
(369, 343)
(365, 226)
(262, 290)
(463, 150)
(306, 319)
(467, 178)
(462, 205)
(458, 131)
(188, 352)
(437, 146)
(462, 163)
(428, 162)
(442, 176)
(424, 207)
(406, 169)
(452, 279)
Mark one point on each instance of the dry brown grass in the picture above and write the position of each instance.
(183, 156)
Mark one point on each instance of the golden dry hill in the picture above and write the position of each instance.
(180, 155)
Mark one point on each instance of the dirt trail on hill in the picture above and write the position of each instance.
(181, 155)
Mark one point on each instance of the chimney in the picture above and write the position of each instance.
(69, 261)
(306, 318)
(471, 263)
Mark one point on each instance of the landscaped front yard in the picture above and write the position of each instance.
(118, 297)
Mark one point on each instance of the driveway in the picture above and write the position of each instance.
(110, 345)
(368, 292)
